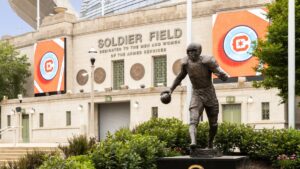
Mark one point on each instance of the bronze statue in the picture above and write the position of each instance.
(199, 69)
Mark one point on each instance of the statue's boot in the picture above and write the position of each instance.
(212, 133)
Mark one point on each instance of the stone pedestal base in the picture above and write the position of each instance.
(206, 153)
(187, 162)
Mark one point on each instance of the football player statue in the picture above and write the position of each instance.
(199, 69)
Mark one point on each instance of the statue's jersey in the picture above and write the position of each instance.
(200, 72)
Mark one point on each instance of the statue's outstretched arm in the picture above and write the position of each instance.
(179, 78)
(217, 70)
(221, 73)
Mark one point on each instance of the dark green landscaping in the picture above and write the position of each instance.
(139, 148)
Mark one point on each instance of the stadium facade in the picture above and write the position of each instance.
(138, 56)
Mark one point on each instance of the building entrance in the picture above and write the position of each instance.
(112, 117)
(25, 128)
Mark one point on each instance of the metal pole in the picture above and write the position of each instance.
(92, 116)
(15, 139)
(291, 63)
(189, 22)
(189, 13)
(91, 119)
(102, 6)
(37, 14)
(20, 127)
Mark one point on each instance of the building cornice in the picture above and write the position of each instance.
(64, 24)
(121, 93)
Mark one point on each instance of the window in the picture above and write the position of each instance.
(154, 112)
(8, 120)
(41, 120)
(118, 74)
(232, 113)
(265, 109)
(160, 70)
(68, 117)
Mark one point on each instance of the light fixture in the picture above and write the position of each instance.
(4, 97)
(80, 107)
(250, 100)
(92, 53)
(142, 86)
(32, 110)
(136, 104)
(20, 97)
(12, 112)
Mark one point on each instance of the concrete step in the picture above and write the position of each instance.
(16, 150)
(15, 153)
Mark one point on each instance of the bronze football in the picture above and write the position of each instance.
(165, 98)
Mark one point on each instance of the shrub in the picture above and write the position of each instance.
(125, 150)
(54, 162)
(79, 162)
(122, 135)
(231, 136)
(270, 143)
(202, 135)
(264, 147)
(73, 162)
(287, 142)
(9, 165)
(264, 144)
(115, 154)
(32, 160)
(172, 131)
(78, 145)
(288, 162)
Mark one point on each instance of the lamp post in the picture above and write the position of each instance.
(92, 53)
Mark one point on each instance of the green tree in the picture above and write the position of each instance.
(273, 51)
(14, 69)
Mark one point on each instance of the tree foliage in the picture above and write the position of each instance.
(14, 69)
(273, 51)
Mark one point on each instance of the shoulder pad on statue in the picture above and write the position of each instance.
(209, 60)
(184, 60)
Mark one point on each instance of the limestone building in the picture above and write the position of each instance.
(137, 57)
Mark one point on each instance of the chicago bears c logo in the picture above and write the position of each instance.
(49, 66)
(237, 43)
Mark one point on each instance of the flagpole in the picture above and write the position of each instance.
(291, 63)
(37, 14)
(189, 16)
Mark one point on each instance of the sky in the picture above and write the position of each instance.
(12, 24)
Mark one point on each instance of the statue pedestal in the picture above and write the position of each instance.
(187, 162)
(205, 153)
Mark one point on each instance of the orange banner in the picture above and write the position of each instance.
(49, 66)
(233, 34)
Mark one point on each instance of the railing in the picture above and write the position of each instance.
(10, 128)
